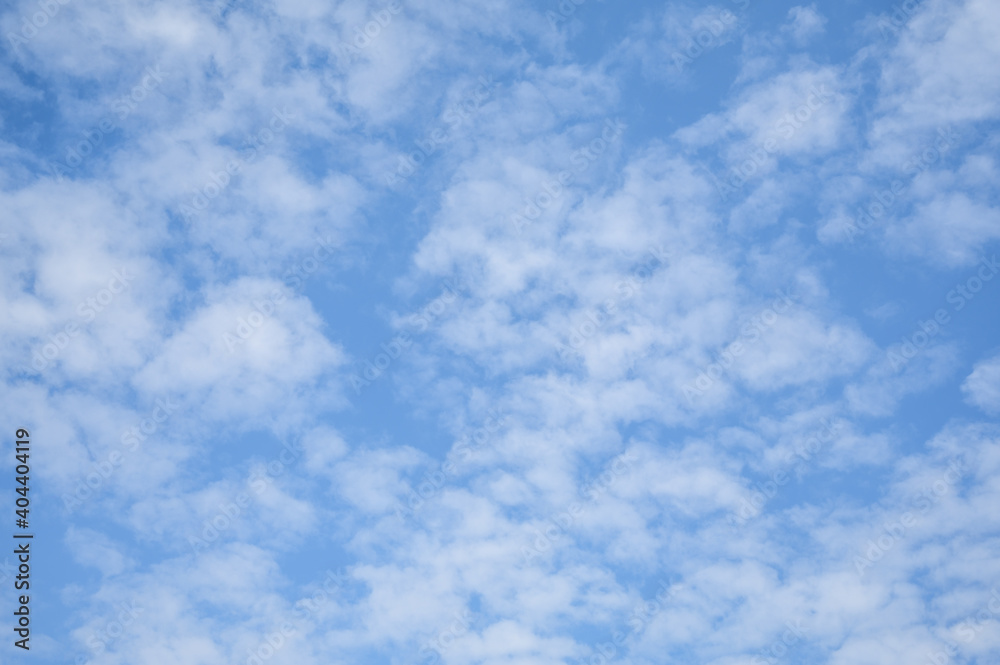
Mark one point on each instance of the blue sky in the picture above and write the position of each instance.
(503, 332)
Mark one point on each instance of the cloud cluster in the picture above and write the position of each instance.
(643, 358)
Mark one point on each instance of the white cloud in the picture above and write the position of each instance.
(93, 548)
(582, 324)
(982, 387)
(935, 75)
(251, 342)
(804, 23)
